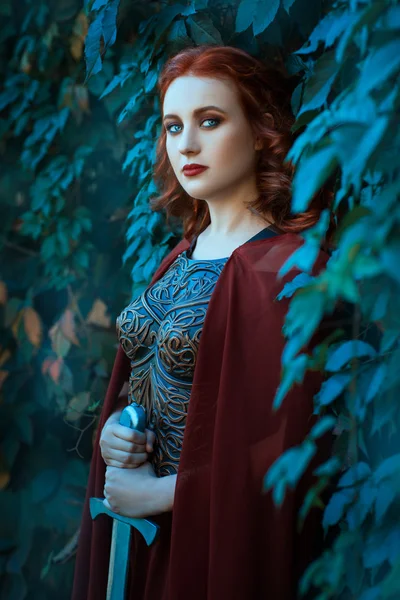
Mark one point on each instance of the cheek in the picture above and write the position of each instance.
(233, 145)
(233, 153)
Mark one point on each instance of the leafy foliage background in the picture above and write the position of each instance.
(79, 117)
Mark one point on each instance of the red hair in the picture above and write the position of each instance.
(265, 96)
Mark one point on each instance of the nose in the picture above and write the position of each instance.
(188, 141)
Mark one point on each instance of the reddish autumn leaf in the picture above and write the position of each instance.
(3, 293)
(59, 343)
(4, 479)
(46, 364)
(67, 324)
(33, 326)
(55, 369)
(3, 377)
(97, 315)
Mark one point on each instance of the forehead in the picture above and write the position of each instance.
(189, 92)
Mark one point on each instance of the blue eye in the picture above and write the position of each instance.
(169, 127)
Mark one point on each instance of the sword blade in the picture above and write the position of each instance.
(119, 561)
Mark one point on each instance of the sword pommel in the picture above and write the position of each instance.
(134, 417)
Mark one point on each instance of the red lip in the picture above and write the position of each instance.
(193, 169)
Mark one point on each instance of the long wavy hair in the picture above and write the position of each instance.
(264, 94)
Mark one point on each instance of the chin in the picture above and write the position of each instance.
(198, 190)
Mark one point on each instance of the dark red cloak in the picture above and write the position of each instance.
(225, 538)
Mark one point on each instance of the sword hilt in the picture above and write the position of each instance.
(134, 417)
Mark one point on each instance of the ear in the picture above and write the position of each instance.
(258, 144)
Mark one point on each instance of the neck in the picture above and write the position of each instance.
(229, 215)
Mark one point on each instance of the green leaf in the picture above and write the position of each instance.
(390, 257)
(381, 546)
(110, 23)
(150, 81)
(301, 280)
(265, 14)
(305, 256)
(98, 4)
(117, 80)
(379, 66)
(361, 18)
(345, 352)
(178, 35)
(288, 469)
(256, 12)
(202, 30)
(92, 47)
(323, 425)
(310, 175)
(81, 258)
(244, 17)
(102, 27)
(366, 266)
(292, 375)
(49, 247)
(336, 506)
(131, 108)
(8, 97)
(319, 85)
(376, 381)
(328, 30)
(356, 473)
(303, 317)
(390, 586)
(328, 468)
(389, 467)
(332, 388)
(159, 24)
(355, 155)
(385, 496)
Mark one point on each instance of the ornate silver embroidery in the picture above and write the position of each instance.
(160, 332)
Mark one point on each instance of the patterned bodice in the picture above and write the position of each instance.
(160, 333)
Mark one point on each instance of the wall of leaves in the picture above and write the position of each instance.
(79, 116)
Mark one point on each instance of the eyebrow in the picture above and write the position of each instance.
(197, 111)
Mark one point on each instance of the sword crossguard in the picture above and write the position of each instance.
(148, 529)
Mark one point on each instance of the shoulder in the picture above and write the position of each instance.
(269, 255)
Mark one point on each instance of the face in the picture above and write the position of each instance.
(219, 138)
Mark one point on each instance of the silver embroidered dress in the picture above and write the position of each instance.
(160, 333)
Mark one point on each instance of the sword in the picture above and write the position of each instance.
(132, 416)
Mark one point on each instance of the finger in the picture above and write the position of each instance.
(107, 505)
(150, 439)
(130, 435)
(125, 458)
(119, 465)
(114, 443)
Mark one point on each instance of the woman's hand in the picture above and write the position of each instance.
(123, 447)
(138, 493)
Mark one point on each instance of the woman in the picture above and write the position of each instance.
(198, 471)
